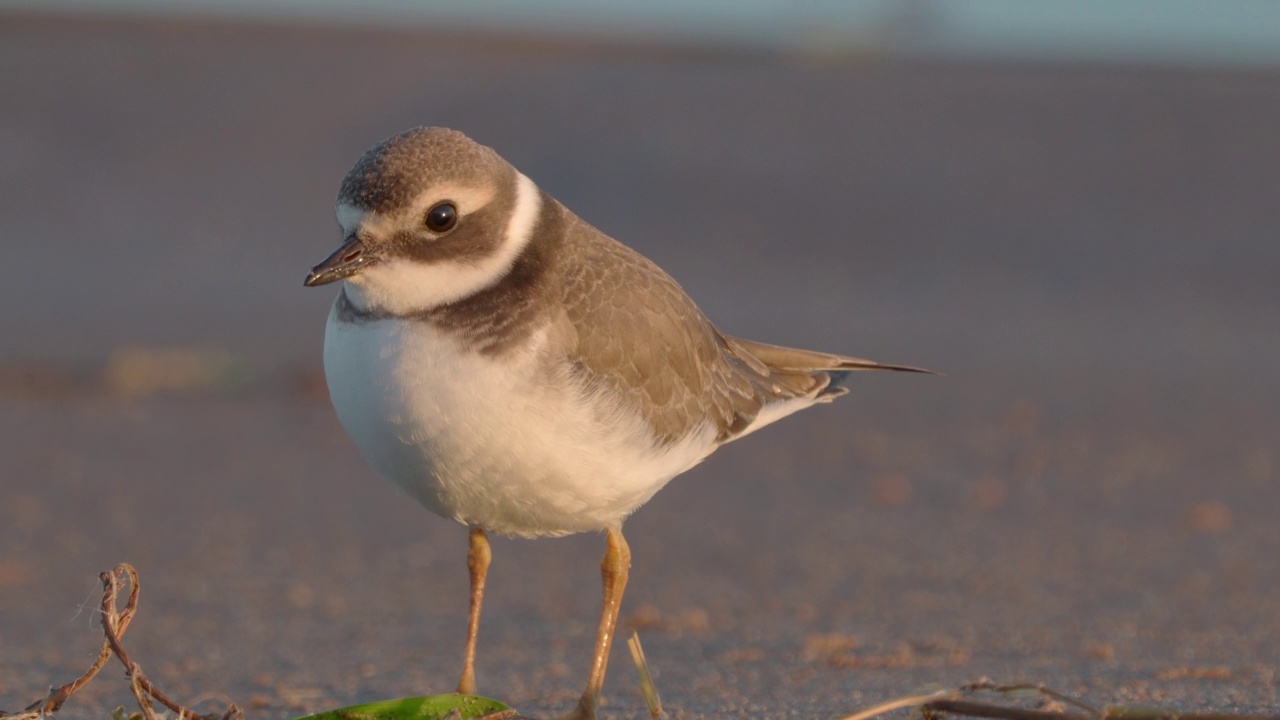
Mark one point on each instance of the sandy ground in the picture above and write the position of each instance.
(1088, 499)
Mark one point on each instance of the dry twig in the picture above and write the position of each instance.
(956, 702)
(647, 688)
(114, 624)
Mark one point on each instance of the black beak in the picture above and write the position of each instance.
(343, 263)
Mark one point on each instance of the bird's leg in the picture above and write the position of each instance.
(614, 570)
(478, 557)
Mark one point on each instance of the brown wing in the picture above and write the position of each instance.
(640, 337)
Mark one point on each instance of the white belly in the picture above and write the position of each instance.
(496, 442)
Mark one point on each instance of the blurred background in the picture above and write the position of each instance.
(1068, 207)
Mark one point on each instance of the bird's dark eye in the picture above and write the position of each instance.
(441, 218)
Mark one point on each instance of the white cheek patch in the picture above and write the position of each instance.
(402, 287)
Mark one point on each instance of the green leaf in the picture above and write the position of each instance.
(435, 707)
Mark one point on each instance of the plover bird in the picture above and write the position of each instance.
(513, 368)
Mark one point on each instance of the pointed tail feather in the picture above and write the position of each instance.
(849, 365)
(785, 358)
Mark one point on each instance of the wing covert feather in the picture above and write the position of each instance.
(637, 335)
(640, 337)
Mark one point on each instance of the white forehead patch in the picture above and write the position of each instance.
(350, 218)
(401, 287)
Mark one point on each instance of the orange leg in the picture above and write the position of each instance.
(613, 570)
(478, 557)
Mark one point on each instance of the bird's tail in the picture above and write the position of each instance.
(784, 358)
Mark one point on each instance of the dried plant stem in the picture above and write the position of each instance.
(56, 698)
(956, 702)
(647, 688)
(987, 685)
(1000, 712)
(114, 624)
(908, 701)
